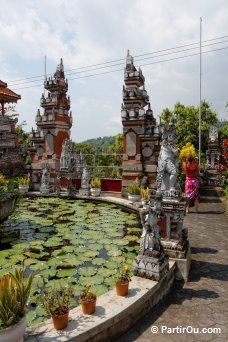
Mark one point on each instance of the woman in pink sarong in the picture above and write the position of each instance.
(192, 183)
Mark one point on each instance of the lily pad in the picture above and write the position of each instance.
(87, 271)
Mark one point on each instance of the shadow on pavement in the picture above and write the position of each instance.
(206, 250)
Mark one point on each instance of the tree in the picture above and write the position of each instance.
(186, 120)
(117, 147)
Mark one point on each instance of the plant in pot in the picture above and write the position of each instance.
(57, 304)
(23, 185)
(3, 183)
(145, 194)
(88, 300)
(134, 191)
(122, 279)
(95, 187)
(14, 294)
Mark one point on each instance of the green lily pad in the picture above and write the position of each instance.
(63, 273)
(87, 271)
(99, 261)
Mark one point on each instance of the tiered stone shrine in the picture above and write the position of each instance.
(212, 176)
(53, 127)
(11, 157)
(141, 134)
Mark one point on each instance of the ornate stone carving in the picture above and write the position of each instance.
(168, 163)
(65, 155)
(84, 190)
(45, 179)
(151, 262)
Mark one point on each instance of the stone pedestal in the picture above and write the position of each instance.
(183, 264)
(151, 267)
(84, 192)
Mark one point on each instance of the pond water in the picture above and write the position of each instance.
(67, 242)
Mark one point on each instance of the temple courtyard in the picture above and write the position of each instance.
(202, 302)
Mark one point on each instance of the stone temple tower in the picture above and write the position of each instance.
(53, 126)
(141, 134)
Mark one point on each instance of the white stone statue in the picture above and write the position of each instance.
(45, 179)
(213, 133)
(168, 162)
(65, 155)
(151, 235)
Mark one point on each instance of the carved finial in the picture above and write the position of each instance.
(38, 112)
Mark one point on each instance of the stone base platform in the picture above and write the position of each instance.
(150, 267)
(114, 314)
(183, 265)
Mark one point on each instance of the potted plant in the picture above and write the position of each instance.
(145, 193)
(57, 304)
(134, 191)
(122, 280)
(95, 187)
(14, 294)
(88, 300)
(3, 183)
(23, 185)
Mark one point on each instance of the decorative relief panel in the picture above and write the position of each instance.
(131, 144)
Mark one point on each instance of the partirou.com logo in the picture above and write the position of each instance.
(163, 329)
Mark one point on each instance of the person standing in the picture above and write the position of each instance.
(192, 182)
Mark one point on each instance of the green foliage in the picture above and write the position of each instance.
(144, 193)
(100, 144)
(57, 302)
(222, 134)
(23, 181)
(14, 294)
(85, 148)
(95, 183)
(24, 141)
(133, 188)
(87, 295)
(187, 123)
(123, 274)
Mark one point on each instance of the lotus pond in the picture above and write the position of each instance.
(67, 242)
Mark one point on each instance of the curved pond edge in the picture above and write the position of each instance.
(114, 315)
(7, 205)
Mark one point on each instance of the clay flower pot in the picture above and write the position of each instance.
(88, 307)
(122, 288)
(60, 321)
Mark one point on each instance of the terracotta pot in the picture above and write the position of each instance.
(122, 288)
(88, 308)
(14, 333)
(60, 321)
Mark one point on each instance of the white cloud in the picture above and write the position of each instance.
(90, 32)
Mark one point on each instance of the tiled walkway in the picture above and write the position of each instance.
(203, 301)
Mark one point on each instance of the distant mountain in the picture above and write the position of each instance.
(100, 143)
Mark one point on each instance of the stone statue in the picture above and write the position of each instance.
(45, 179)
(84, 190)
(151, 236)
(65, 155)
(213, 133)
(151, 262)
(168, 162)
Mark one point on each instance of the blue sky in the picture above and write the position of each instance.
(88, 32)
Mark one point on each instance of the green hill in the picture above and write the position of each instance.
(100, 143)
